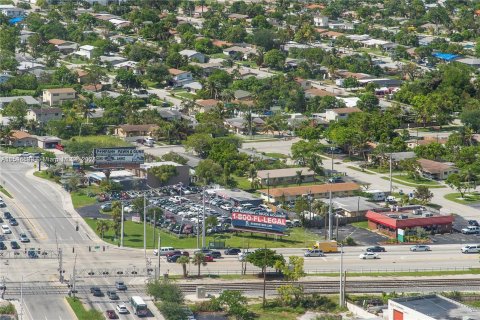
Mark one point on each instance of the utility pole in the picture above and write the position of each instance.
(342, 303)
(60, 265)
(264, 277)
(155, 227)
(391, 188)
(145, 225)
(21, 299)
(203, 220)
(74, 278)
(121, 232)
(268, 187)
(331, 149)
(330, 217)
(159, 255)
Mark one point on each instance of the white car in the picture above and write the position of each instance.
(314, 253)
(368, 255)
(6, 229)
(122, 309)
(243, 255)
(420, 247)
(226, 207)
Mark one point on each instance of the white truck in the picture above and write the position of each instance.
(376, 195)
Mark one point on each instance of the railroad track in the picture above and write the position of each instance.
(352, 286)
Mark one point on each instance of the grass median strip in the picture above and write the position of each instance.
(133, 237)
(360, 170)
(5, 192)
(408, 184)
(81, 312)
(468, 198)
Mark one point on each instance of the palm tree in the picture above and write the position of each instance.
(199, 260)
(252, 175)
(117, 217)
(102, 227)
(183, 260)
(227, 95)
(5, 135)
(299, 177)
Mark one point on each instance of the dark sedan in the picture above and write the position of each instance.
(376, 249)
(232, 251)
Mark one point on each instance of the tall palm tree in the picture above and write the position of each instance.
(102, 227)
(199, 260)
(299, 177)
(252, 175)
(5, 135)
(183, 260)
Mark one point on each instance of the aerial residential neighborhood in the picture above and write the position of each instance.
(255, 159)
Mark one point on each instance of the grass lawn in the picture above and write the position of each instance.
(134, 238)
(413, 184)
(43, 175)
(186, 95)
(5, 192)
(276, 155)
(359, 169)
(102, 141)
(420, 180)
(242, 182)
(12, 150)
(81, 199)
(81, 312)
(469, 198)
(276, 313)
(361, 224)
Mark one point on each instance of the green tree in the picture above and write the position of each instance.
(17, 109)
(127, 79)
(199, 261)
(164, 173)
(293, 271)
(102, 227)
(264, 258)
(95, 75)
(208, 171)
(412, 167)
(303, 151)
(458, 182)
(299, 177)
(173, 311)
(235, 304)
(117, 217)
(165, 291)
(183, 260)
(423, 194)
(274, 59)
(351, 82)
(368, 102)
(210, 222)
(201, 143)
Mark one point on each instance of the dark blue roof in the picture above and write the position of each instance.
(446, 56)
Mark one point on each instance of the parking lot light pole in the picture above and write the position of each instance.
(145, 225)
(121, 232)
(203, 219)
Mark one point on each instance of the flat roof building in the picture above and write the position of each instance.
(284, 176)
(237, 196)
(429, 307)
(353, 206)
(400, 222)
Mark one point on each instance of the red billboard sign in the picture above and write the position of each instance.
(259, 221)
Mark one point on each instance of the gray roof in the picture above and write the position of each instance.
(239, 94)
(28, 99)
(283, 173)
(351, 204)
(438, 307)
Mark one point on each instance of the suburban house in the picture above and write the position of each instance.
(4, 77)
(339, 113)
(43, 115)
(63, 46)
(135, 130)
(29, 100)
(58, 96)
(180, 77)
(315, 92)
(47, 142)
(242, 52)
(205, 105)
(277, 195)
(284, 176)
(193, 55)
(436, 170)
(169, 114)
(11, 11)
(22, 139)
(182, 176)
(242, 95)
(193, 87)
(85, 51)
(240, 125)
(320, 21)
(352, 206)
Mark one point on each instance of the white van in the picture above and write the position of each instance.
(163, 251)
(376, 195)
(471, 248)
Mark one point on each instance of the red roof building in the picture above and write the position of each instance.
(403, 221)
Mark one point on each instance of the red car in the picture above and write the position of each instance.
(111, 314)
(177, 252)
(208, 258)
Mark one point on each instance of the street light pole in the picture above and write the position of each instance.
(121, 234)
(145, 225)
(203, 220)
(391, 187)
(331, 149)
(341, 277)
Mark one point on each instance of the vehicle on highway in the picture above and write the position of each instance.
(7, 215)
(314, 253)
(14, 245)
(24, 238)
(96, 291)
(420, 247)
(139, 306)
(232, 251)
(177, 253)
(216, 254)
(13, 222)
(243, 255)
(473, 223)
(204, 251)
(2, 246)
(120, 285)
(111, 314)
(369, 255)
(471, 230)
(163, 251)
(375, 249)
(208, 258)
(112, 295)
(173, 258)
(122, 309)
(2, 204)
(32, 254)
(6, 229)
(471, 248)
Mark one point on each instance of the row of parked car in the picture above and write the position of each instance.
(174, 190)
